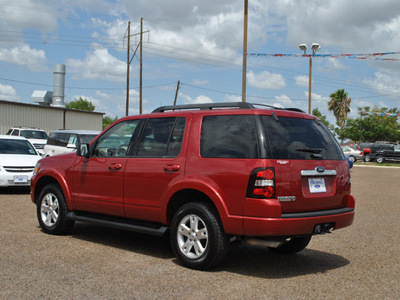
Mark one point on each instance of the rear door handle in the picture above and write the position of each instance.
(115, 167)
(172, 168)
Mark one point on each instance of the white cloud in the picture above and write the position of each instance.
(24, 55)
(284, 101)
(33, 14)
(189, 100)
(384, 83)
(266, 80)
(353, 25)
(7, 92)
(113, 104)
(302, 80)
(99, 64)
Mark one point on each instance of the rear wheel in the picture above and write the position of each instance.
(380, 159)
(52, 210)
(197, 237)
(294, 245)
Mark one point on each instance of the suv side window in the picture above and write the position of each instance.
(15, 132)
(73, 140)
(232, 136)
(115, 142)
(162, 137)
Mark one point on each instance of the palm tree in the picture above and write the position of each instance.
(339, 103)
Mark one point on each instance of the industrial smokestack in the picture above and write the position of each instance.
(58, 86)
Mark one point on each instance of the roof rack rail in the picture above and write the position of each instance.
(209, 106)
(204, 106)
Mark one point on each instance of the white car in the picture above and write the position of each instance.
(36, 136)
(18, 158)
(65, 141)
(352, 154)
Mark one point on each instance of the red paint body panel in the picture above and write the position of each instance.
(141, 188)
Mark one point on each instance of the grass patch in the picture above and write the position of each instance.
(385, 164)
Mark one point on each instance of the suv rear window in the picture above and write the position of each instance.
(231, 136)
(294, 138)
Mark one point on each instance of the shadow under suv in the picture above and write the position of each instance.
(205, 175)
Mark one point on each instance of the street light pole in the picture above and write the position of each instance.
(314, 47)
(309, 86)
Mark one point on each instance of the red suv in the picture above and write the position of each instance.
(206, 175)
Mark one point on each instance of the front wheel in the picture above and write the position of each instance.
(292, 246)
(367, 158)
(52, 210)
(197, 237)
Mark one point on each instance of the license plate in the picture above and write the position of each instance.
(317, 185)
(20, 179)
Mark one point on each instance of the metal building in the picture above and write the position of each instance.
(47, 118)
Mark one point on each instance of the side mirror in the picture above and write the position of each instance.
(83, 150)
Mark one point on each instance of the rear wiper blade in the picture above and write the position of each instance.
(310, 150)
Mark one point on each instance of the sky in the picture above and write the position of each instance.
(200, 44)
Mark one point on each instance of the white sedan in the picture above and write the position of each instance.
(352, 154)
(18, 158)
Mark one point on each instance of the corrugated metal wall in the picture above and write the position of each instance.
(46, 118)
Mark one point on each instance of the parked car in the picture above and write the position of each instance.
(206, 175)
(366, 150)
(36, 136)
(18, 158)
(352, 154)
(385, 151)
(64, 141)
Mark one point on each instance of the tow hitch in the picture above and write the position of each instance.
(323, 228)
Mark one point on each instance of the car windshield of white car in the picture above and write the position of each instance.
(16, 147)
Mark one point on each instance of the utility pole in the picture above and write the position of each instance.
(246, 9)
(176, 93)
(141, 66)
(127, 71)
(129, 61)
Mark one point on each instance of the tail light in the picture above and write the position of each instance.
(261, 184)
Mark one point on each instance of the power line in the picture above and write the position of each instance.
(85, 88)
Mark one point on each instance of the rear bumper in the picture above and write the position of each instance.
(297, 224)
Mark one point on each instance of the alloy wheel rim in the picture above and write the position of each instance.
(192, 236)
(49, 209)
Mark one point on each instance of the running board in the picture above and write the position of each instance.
(119, 223)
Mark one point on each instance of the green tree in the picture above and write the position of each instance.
(107, 120)
(323, 119)
(378, 124)
(81, 104)
(339, 104)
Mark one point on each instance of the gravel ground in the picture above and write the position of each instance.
(358, 262)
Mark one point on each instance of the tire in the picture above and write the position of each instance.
(352, 158)
(52, 211)
(197, 236)
(292, 246)
(367, 158)
(380, 159)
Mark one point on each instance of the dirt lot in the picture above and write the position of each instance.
(359, 262)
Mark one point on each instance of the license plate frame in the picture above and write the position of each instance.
(317, 185)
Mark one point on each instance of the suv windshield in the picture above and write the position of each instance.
(294, 138)
(33, 134)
